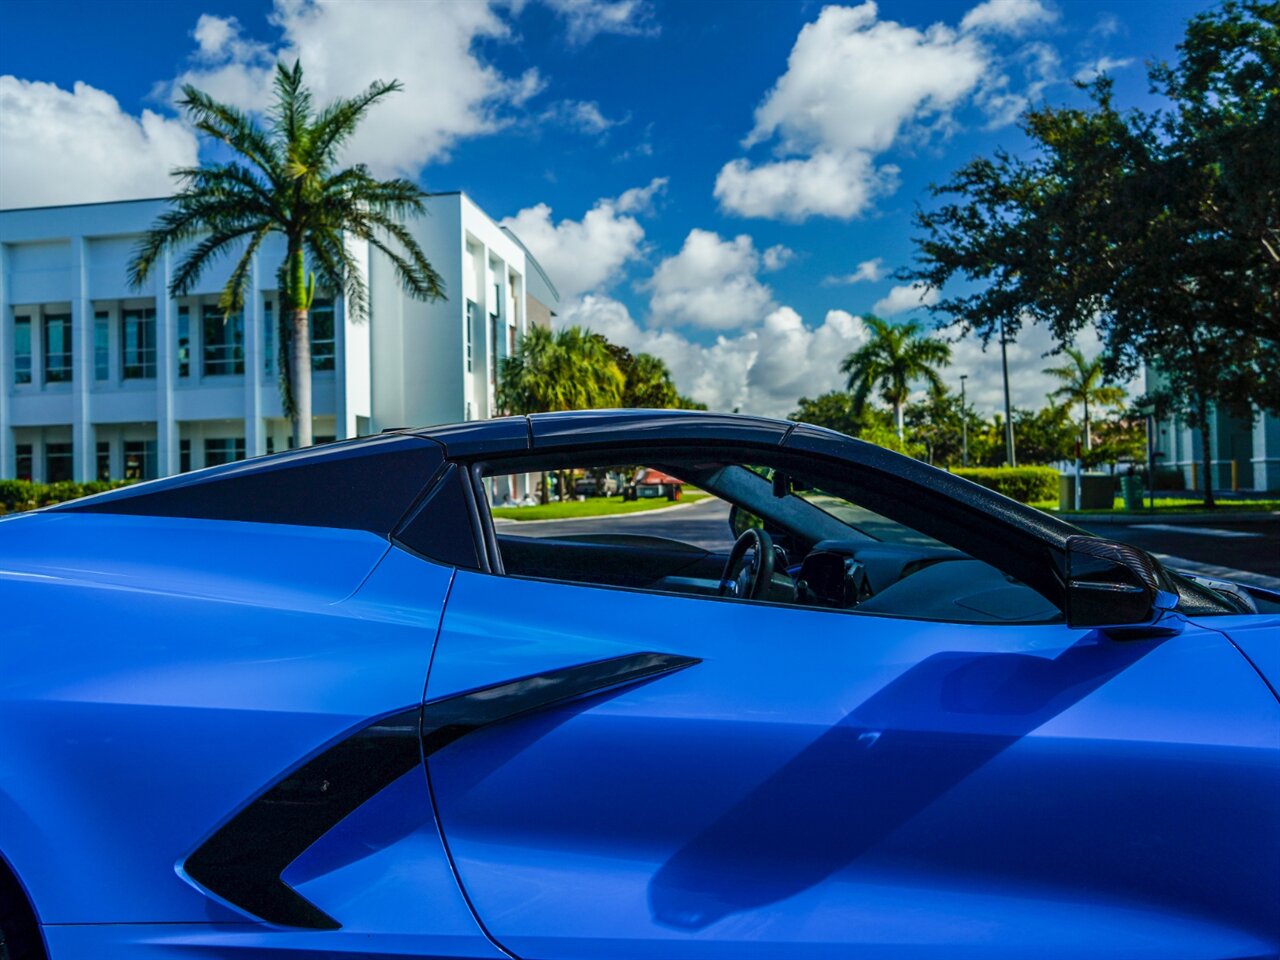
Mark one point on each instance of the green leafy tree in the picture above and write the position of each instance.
(937, 423)
(1084, 382)
(833, 410)
(896, 356)
(1045, 436)
(285, 179)
(1159, 227)
(569, 369)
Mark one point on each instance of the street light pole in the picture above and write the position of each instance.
(1010, 456)
(964, 422)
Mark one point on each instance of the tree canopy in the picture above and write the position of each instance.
(1160, 228)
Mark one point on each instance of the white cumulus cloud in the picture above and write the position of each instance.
(584, 255)
(1007, 16)
(1095, 68)
(77, 146)
(710, 283)
(857, 85)
(450, 92)
(903, 298)
(762, 370)
(853, 86)
(587, 19)
(868, 271)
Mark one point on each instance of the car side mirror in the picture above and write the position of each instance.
(1116, 587)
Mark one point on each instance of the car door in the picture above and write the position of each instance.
(626, 774)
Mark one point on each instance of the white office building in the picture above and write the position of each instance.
(103, 381)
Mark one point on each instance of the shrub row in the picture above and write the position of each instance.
(16, 495)
(1024, 484)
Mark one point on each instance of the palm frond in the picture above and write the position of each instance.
(335, 124)
(234, 128)
(200, 257)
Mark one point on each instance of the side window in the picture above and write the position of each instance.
(793, 534)
(441, 527)
(629, 525)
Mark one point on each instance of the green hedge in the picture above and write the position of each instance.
(1024, 484)
(17, 495)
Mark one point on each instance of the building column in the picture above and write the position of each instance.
(255, 435)
(1266, 451)
(8, 466)
(83, 449)
(167, 463)
(343, 425)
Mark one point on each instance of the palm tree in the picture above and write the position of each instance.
(1083, 382)
(285, 180)
(571, 369)
(896, 356)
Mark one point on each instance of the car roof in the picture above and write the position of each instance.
(582, 429)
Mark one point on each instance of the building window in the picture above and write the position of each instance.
(268, 337)
(492, 347)
(184, 456)
(57, 348)
(21, 349)
(104, 459)
(24, 461)
(138, 343)
(471, 322)
(57, 462)
(101, 345)
(218, 450)
(325, 438)
(139, 459)
(223, 342)
(468, 409)
(184, 342)
(323, 347)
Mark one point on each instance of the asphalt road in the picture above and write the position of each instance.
(1231, 549)
(1229, 546)
(703, 523)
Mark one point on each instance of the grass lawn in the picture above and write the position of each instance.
(1174, 505)
(591, 507)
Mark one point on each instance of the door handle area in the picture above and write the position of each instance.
(451, 718)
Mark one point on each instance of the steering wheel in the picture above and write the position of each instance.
(749, 569)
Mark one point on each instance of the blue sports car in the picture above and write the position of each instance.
(834, 703)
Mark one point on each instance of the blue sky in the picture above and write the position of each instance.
(728, 185)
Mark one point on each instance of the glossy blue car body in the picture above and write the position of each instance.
(298, 735)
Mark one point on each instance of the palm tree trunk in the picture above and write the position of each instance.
(898, 410)
(301, 363)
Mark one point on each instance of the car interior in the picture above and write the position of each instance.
(758, 533)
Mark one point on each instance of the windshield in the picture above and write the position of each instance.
(864, 521)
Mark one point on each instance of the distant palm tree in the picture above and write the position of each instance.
(896, 356)
(1083, 382)
(285, 180)
(570, 369)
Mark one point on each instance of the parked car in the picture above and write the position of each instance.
(606, 485)
(317, 704)
(650, 484)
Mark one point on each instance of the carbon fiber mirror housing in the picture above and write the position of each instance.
(1114, 586)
